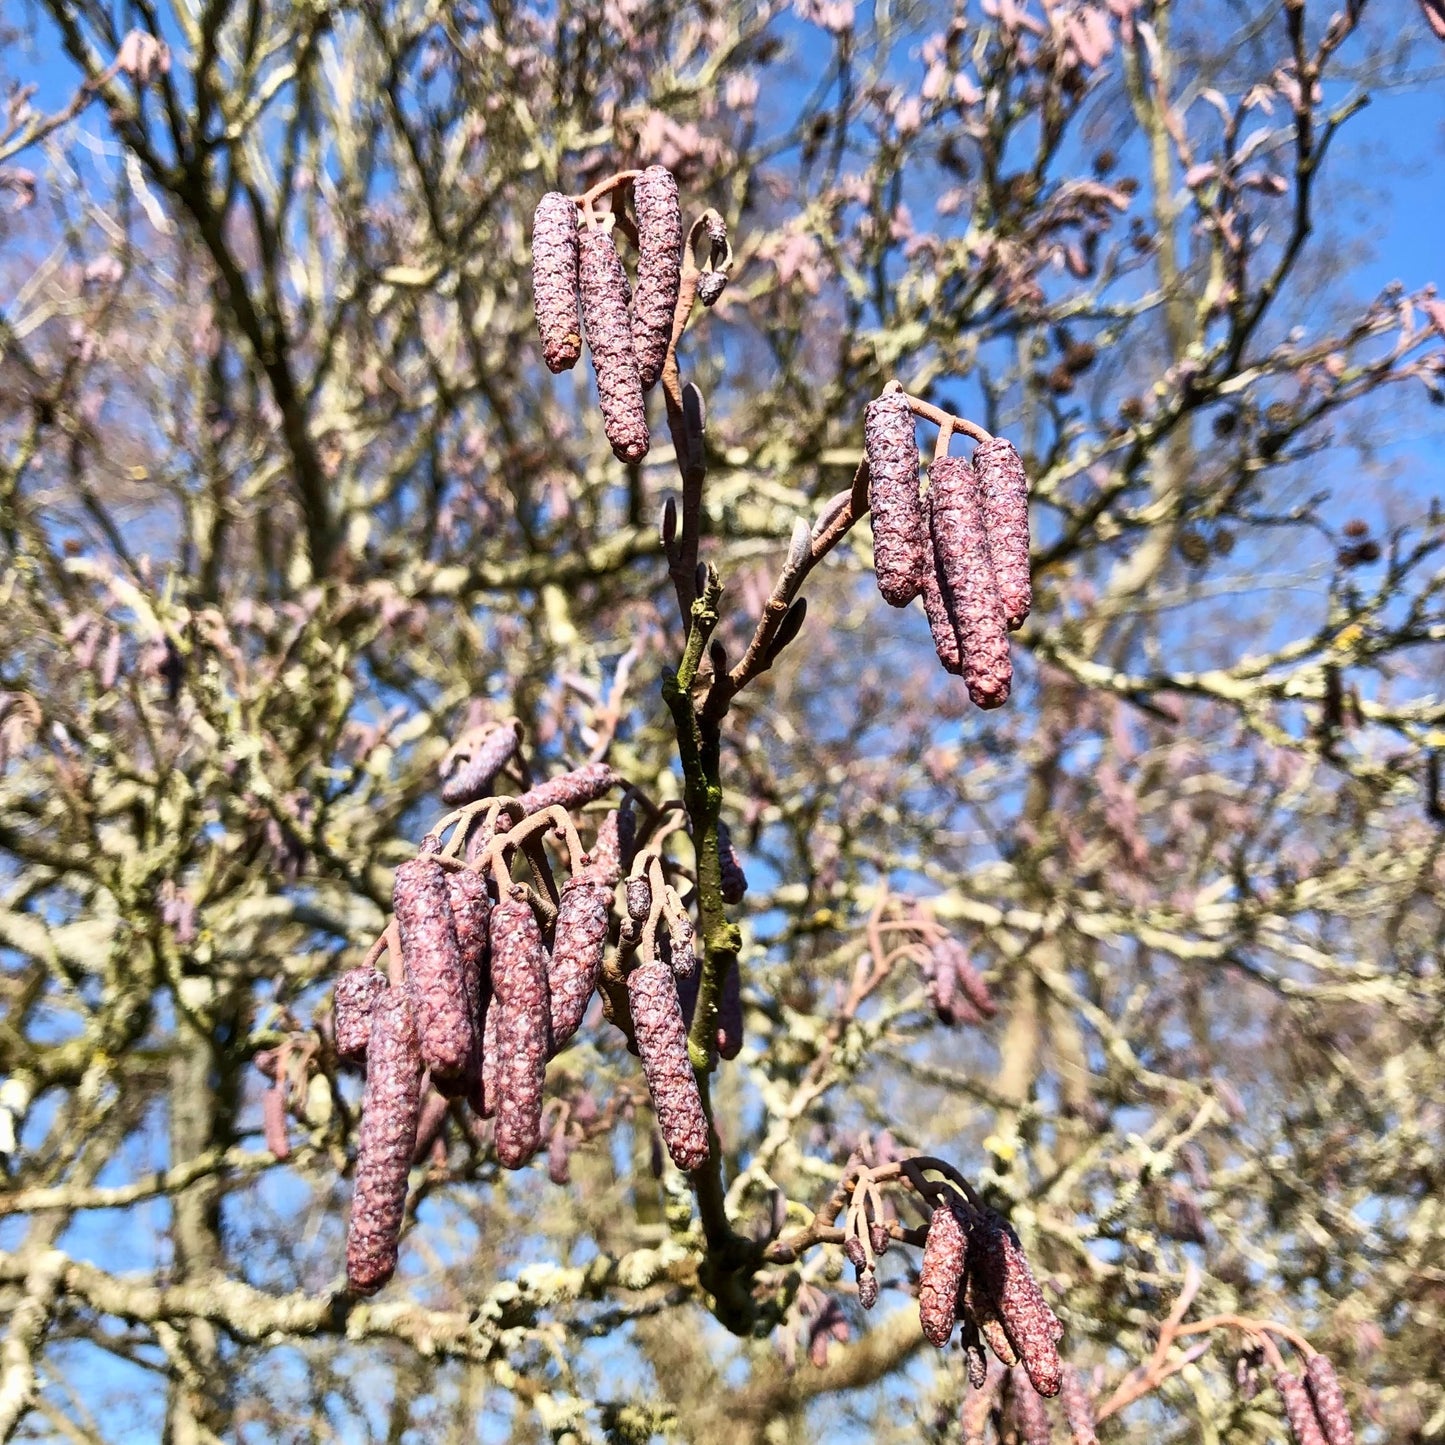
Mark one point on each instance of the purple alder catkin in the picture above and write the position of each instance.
(607, 319)
(1008, 1284)
(1030, 1417)
(432, 956)
(734, 880)
(613, 847)
(1004, 488)
(471, 915)
(578, 943)
(554, 280)
(385, 1142)
(662, 1045)
(898, 536)
(1329, 1401)
(659, 269)
(966, 577)
(1078, 1407)
(975, 1361)
(474, 778)
(357, 991)
(519, 987)
(570, 790)
(935, 609)
(730, 1012)
(945, 1255)
(1304, 1425)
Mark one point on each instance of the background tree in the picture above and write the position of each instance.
(289, 503)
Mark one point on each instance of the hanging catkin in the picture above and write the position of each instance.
(607, 317)
(421, 900)
(1299, 1411)
(570, 790)
(892, 452)
(473, 778)
(940, 623)
(357, 991)
(965, 573)
(1030, 1417)
(659, 269)
(519, 989)
(1329, 1401)
(578, 943)
(1006, 1279)
(554, 280)
(1005, 492)
(386, 1139)
(1078, 1407)
(662, 1045)
(945, 1254)
(471, 914)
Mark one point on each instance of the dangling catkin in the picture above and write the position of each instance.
(554, 280)
(945, 1254)
(570, 790)
(1329, 1401)
(421, 900)
(385, 1142)
(1005, 492)
(662, 1045)
(471, 914)
(898, 551)
(606, 315)
(966, 576)
(357, 991)
(1078, 1407)
(1009, 1285)
(940, 623)
(1304, 1425)
(519, 991)
(659, 269)
(578, 944)
(474, 777)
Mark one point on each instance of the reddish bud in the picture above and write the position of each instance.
(734, 880)
(730, 1013)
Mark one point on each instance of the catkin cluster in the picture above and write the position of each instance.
(974, 1270)
(490, 981)
(481, 1000)
(962, 547)
(580, 288)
